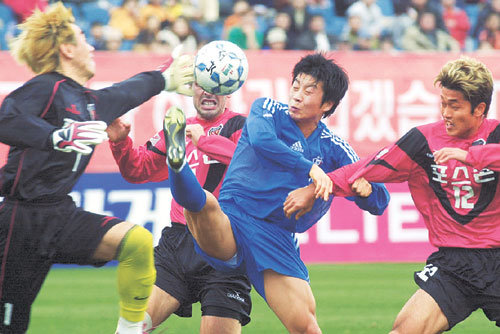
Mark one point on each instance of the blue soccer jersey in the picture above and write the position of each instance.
(273, 158)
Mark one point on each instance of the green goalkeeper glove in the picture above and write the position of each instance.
(178, 72)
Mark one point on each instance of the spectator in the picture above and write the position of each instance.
(489, 37)
(386, 43)
(207, 24)
(456, 21)
(276, 39)
(126, 19)
(153, 8)
(174, 10)
(492, 6)
(114, 39)
(300, 17)
(240, 7)
(372, 19)
(341, 6)
(353, 37)
(283, 20)
(96, 36)
(402, 20)
(316, 38)
(426, 36)
(247, 35)
(417, 7)
(324, 8)
(179, 33)
(147, 37)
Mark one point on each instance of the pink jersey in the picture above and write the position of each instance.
(460, 202)
(208, 160)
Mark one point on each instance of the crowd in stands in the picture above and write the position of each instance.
(386, 25)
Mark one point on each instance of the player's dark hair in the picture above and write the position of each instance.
(324, 70)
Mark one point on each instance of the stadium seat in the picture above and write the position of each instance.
(8, 23)
(336, 25)
(75, 9)
(386, 6)
(93, 12)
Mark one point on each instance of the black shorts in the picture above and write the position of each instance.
(32, 238)
(183, 274)
(463, 280)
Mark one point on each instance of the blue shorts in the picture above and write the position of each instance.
(261, 245)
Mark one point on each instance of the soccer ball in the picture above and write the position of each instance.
(221, 67)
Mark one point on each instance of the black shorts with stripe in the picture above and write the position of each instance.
(462, 280)
(183, 274)
(33, 236)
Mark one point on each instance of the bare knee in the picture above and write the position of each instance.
(309, 326)
(212, 230)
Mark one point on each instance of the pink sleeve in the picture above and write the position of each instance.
(484, 156)
(139, 165)
(219, 148)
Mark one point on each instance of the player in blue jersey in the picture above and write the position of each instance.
(52, 124)
(282, 148)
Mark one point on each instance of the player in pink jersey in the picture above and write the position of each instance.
(452, 169)
(183, 277)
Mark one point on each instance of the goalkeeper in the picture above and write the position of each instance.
(52, 124)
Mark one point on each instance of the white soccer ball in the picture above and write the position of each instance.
(221, 67)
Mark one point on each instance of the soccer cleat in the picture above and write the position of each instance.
(174, 130)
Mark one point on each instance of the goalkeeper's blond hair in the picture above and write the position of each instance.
(42, 33)
(469, 76)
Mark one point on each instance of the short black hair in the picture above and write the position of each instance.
(324, 70)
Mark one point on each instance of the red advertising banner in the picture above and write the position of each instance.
(388, 95)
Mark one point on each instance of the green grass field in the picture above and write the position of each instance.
(351, 299)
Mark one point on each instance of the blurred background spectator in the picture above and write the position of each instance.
(126, 19)
(377, 25)
(316, 37)
(300, 17)
(147, 38)
(276, 39)
(96, 36)
(491, 6)
(240, 7)
(456, 21)
(426, 36)
(489, 36)
(154, 8)
(354, 37)
(179, 33)
(370, 15)
(246, 34)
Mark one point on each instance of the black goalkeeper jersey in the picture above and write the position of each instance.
(29, 115)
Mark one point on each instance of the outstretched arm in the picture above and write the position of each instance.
(217, 148)
(301, 200)
(137, 165)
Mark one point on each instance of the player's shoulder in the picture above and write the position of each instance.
(328, 136)
(230, 115)
(334, 143)
(268, 106)
(429, 129)
(42, 84)
(491, 124)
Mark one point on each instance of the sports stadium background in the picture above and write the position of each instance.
(388, 94)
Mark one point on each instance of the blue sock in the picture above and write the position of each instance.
(186, 189)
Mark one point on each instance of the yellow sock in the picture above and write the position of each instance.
(136, 273)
